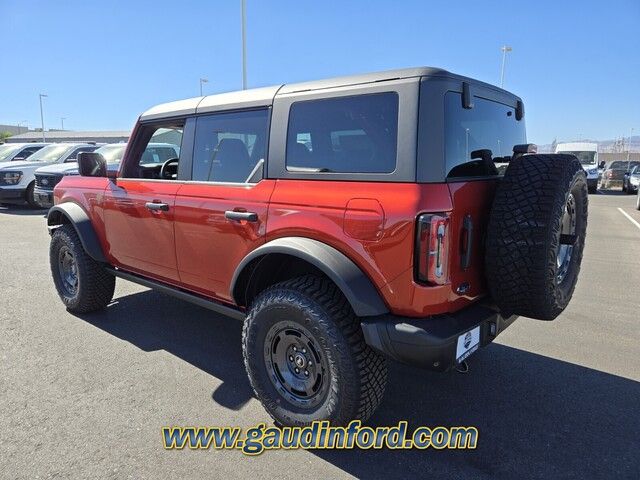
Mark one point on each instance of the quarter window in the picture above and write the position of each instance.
(355, 134)
(230, 147)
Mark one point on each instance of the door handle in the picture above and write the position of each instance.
(157, 207)
(238, 216)
(467, 227)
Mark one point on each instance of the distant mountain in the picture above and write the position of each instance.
(604, 146)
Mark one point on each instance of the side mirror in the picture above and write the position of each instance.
(92, 164)
(601, 164)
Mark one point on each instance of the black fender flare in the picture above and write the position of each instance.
(80, 220)
(348, 277)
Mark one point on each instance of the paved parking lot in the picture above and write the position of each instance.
(86, 396)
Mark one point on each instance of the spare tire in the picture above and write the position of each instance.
(536, 235)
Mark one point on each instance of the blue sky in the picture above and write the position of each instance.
(575, 63)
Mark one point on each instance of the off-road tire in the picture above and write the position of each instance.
(358, 375)
(30, 199)
(95, 285)
(523, 236)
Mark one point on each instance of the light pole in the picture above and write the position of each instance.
(202, 80)
(62, 119)
(244, 45)
(42, 116)
(629, 151)
(505, 49)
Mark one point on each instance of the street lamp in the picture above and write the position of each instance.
(62, 119)
(629, 152)
(42, 116)
(244, 45)
(505, 49)
(202, 80)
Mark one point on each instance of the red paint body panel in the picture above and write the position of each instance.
(193, 245)
(210, 247)
(138, 239)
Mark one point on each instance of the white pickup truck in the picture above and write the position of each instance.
(17, 178)
(587, 153)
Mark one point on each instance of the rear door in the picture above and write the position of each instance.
(221, 213)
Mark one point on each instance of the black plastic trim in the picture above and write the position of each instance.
(431, 342)
(178, 293)
(81, 222)
(349, 278)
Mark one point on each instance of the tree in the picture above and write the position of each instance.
(4, 136)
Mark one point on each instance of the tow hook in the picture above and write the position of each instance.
(462, 367)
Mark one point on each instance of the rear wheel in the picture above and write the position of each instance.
(638, 200)
(82, 283)
(306, 357)
(536, 235)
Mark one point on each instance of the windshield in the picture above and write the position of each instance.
(112, 153)
(622, 165)
(7, 151)
(586, 158)
(50, 153)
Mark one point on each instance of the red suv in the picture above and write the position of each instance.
(344, 220)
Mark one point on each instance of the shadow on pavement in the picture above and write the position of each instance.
(536, 416)
(22, 210)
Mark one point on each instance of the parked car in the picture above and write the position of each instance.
(345, 221)
(587, 153)
(613, 174)
(18, 151)
(17, 178)
(631, 178)
(48, 177)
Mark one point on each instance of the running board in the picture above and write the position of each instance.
(178, 293)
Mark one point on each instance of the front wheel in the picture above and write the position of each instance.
(30, 196)
(82, 283)
(306, 358)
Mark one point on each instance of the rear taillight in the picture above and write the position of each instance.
(432, 252)
(609, 174)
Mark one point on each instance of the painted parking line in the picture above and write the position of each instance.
(631, 219)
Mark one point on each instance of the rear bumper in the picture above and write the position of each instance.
(432, 342)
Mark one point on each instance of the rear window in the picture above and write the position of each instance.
(488, 125)
(355, 134)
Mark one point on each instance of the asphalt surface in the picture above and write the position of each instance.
(86, 396)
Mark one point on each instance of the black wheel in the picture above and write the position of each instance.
(638, 200)
(82, 283)
(593, 189)
(536, 235)
(306, 357)
(30, 198)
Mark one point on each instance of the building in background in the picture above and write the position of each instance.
(114, 136)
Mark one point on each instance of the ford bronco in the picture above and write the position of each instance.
(345, 221)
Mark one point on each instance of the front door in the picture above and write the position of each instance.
(221, 214)
(139, 205)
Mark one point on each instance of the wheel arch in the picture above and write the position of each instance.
(284, 258)
(74, 214)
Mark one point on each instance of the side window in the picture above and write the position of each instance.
(355, 134)
(28, 151)
(156, 152)
(488, 125)
(73, 157)
(230, 147)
